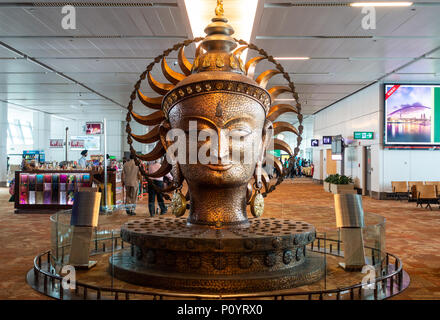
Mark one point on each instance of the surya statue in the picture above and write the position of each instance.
(216, 94)
(213, 126)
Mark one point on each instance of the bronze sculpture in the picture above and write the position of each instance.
(217, 248)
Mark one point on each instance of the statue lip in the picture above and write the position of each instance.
(219, 167)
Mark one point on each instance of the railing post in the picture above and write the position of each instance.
(62, 254)
(126, 296)
(375, 290)
(339, 247)
(61, 290)
(36, 275)
(331, 249)
(351, 294)
(116, 295)
(85, 293)
(400, 279)
(45, 283)
(391, 285)
(310, 296)
(98, 295)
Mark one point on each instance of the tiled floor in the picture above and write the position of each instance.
(411, 233)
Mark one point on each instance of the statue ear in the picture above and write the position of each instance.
(266, 139)
(267, 136)
(176, 173)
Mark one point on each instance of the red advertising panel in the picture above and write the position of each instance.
(56, 143)
(94, 128)
(77, 144)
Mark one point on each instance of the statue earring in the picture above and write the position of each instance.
(257, 202)
(178, 203)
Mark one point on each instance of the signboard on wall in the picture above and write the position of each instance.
(94, 128)
(90, 142)
(56, 143)
(315, 142)
(77, 144)
(326, 140)
(365, 135)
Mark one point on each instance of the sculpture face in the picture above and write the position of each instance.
(237, 123)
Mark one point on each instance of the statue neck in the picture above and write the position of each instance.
(218, 207)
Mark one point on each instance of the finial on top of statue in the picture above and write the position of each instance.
(219, 11)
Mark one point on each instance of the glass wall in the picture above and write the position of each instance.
(20, 133)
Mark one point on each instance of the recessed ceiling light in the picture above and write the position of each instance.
(240, 15)
(292, 58)
(381, 4)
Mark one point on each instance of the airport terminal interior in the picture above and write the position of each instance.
(209, 149)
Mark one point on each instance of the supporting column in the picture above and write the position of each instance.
(3, 143)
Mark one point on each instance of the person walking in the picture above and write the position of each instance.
(82, 162)
(152, 193)
(130, 180)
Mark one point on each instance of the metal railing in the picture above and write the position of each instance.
(391, 280)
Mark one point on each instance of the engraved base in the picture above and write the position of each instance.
(125, 267)
(169, 253)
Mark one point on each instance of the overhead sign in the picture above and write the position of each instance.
(366, 135)
(56, 143)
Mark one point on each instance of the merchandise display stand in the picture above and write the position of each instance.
(49, 189)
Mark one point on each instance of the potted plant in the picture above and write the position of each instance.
(339, 183)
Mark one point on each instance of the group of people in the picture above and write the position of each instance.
(298, 165)
(131, 177)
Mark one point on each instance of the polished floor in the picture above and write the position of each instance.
(411, 233)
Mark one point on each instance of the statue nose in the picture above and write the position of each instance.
(223, 146)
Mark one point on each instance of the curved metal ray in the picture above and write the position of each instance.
(171, 75)
(153, 103)
(160, 88)
(281, 126)
(278, 109)
(265, 179)
(251, 65)
(162, 171)
(277, 90)
(150, 120)
(239, 50)
(248, 192)
(156, 153)
(265, 76)
(184, 64)
(281, 145)
(276, 163)
(150, 137)
(198, 51)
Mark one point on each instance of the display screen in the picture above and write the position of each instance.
(94, 128)
(326, 140)
(412, 115)
(315, 142)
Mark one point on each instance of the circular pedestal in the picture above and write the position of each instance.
(268, 254)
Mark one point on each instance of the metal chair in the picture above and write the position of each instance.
(427, 194)
(400, 188)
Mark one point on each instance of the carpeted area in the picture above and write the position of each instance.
(411, 234)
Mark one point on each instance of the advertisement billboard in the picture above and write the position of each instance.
(412, 115)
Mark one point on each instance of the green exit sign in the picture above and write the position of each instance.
(363, 135)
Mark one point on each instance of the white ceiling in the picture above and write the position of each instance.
(113, 45)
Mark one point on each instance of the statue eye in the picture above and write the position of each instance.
(239, 132)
